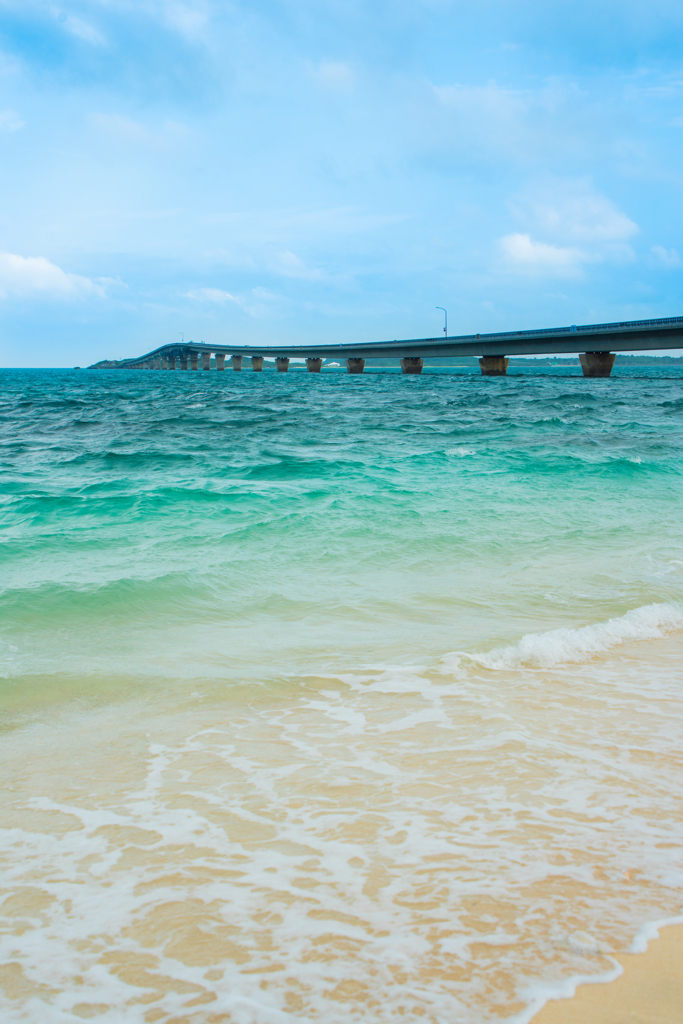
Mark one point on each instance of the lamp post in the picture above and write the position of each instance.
(445, 314)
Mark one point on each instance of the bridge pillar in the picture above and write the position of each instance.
(183, 360)
(314, 365)
(236, 362)
(220, 360)
(206, 361)
(157, 362)
(194, 359)
(164, 362)
(257, 363)
(494, 366)
(171, 362)
(282, 364)
(597, 364)
(355, 365)
(412, 364)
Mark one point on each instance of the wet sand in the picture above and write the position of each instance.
(650, 991)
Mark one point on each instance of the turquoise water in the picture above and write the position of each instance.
(408, 644)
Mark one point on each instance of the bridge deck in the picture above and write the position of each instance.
(628, 336)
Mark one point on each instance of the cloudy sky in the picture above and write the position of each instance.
(280, 170)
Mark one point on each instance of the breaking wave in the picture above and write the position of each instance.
(563, 646)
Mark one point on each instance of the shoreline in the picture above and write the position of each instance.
(648, 989)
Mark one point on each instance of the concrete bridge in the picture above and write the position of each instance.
(596, 343)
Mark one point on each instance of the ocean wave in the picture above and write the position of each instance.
(563, 646)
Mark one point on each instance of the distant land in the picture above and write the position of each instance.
(468, 361)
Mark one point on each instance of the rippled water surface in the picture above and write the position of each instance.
(335, 698)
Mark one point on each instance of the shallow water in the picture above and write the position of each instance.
(332, 697)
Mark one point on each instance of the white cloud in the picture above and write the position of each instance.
(573, 211)
(10, 121)
(289, 265)
(486, 118)
(22, 276)
(82, 30)
(566, 224)
(254, 303)
(489, 101)
(521, 253)
(334, 75)
(210, 295)
(666, 257)
(125, 129)
(187, 18)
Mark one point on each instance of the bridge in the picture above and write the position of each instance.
(595, 343)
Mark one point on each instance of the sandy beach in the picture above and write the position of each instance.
(650, 991)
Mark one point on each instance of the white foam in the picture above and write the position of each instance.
(542, 994)
(650, 931)
(585, 944)
(560, 646)
(461, 453)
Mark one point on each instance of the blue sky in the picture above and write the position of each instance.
(296, 170)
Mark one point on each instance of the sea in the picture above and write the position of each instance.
(335, 698)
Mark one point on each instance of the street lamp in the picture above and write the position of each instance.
(445, 315)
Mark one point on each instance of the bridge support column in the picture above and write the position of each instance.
(597, 364)
(494, 366)
(355, 365)
(157, 362)
(171, 362)
(236, 362)
(206, 361)
(220, 360)
(412, 364)
(194, 359)
(183, 360)
(257, 363)
(314, 365)
(282, 364)
(164, 362)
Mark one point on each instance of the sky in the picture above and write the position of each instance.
(281, 171)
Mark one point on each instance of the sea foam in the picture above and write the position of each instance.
(564, 646)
